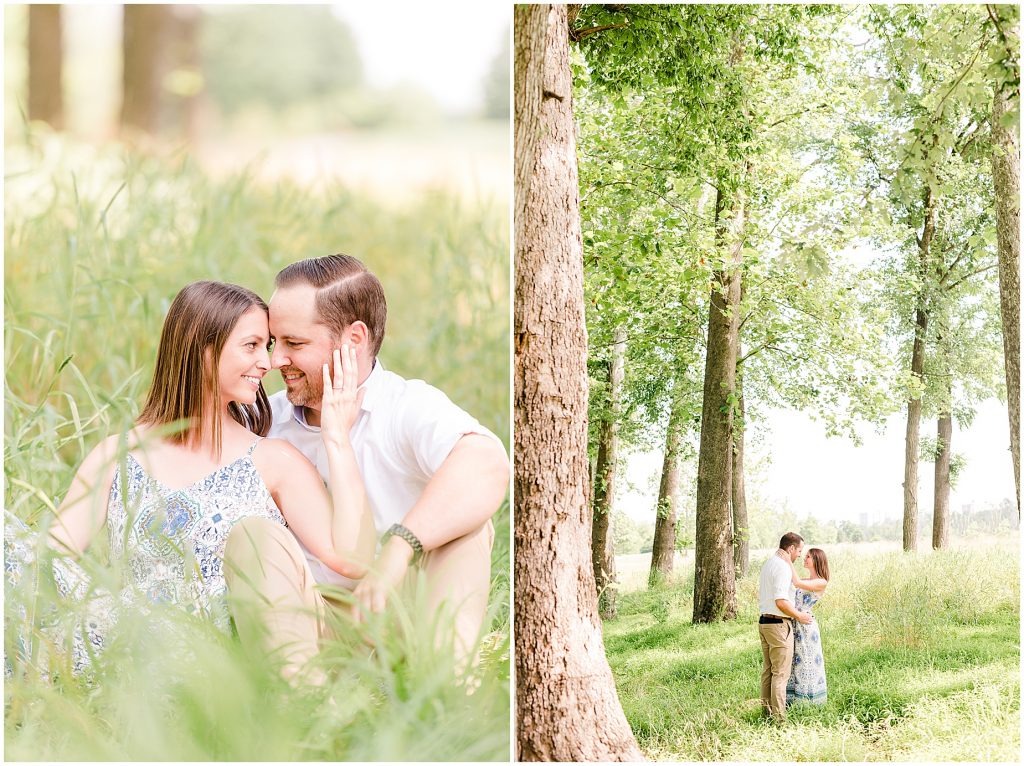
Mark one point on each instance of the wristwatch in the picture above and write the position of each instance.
(397, 530)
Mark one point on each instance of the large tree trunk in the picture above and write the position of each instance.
(740, 524)
(566, 704)
(913, 438)
(1006, 180)
(940, 522)
(664, 549)
(145, 37)
(602, 541)
(45, 97)
(714, 589)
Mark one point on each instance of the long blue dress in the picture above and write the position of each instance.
(807, 678)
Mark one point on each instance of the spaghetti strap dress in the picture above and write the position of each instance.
(169, 542)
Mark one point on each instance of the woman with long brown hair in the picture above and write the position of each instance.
(807, 678)
(198, 479)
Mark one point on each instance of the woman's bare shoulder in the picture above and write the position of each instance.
(278, 461)
(106, 450)
(279, 448)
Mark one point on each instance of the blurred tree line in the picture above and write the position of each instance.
(187, 66)
(631, 536)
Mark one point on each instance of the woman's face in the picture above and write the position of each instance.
(244, 360)
(809, 562)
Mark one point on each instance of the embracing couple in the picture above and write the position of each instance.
(228, 514)
(794, 666)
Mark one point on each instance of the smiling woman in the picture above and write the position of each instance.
(207, 326)
(207, 401)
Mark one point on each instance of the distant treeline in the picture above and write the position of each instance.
(638, 537)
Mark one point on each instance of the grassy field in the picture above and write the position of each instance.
(97, 242)
(922, 654)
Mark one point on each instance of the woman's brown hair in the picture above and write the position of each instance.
(820, 562)
(197, 325)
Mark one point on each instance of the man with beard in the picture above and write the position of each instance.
(434, 476)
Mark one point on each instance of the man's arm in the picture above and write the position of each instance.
(788, 609)
(464, 493)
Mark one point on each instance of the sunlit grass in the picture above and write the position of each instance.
(922, 654)
(97, 242)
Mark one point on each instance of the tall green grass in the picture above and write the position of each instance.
(922, 655)
(97, 242)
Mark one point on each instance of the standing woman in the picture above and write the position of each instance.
(807, 678)
(199, 480)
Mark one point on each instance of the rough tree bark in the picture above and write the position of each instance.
(144, 42)
(602, 541)
(940, 522)
(714, 590)
(1006, 180)
(45, 97)
(740, 523)
(664, 549)
(566, 704)
(913, 438)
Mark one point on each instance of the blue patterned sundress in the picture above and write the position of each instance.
(807, 678)
(170, 542)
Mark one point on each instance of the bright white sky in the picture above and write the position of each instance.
(831, 479)
(444, 47)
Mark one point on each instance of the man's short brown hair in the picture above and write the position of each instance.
(790, 538)
(346, 292)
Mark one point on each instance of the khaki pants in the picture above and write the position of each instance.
(276, 606)
(777, 650)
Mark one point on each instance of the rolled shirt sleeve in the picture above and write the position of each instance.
(430, 426)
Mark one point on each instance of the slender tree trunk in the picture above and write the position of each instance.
(566, 704)
(599, 521)
(45, 95)
(913, 438)
(714, 592)
(940, 523)
(602, 537)
(1006, 180)
(912, 453)
(144, 43)
(664, 550)
(740, 524)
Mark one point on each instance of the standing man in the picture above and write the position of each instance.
(777, 597)
(434, 476)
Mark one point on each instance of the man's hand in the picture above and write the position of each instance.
(788, 609)
(384, 577)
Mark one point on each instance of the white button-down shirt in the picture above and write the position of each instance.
(401, 437)
(776, 582)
